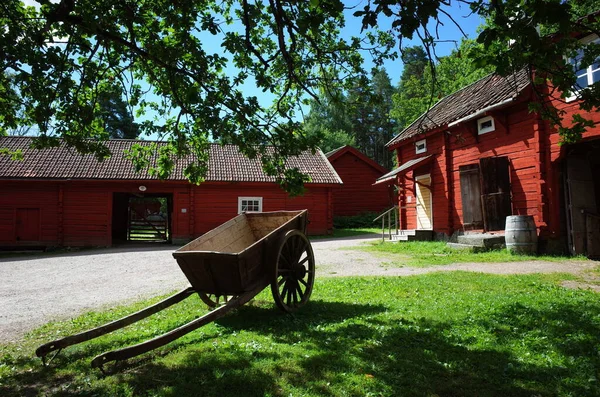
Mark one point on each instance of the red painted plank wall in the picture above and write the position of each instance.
(358, 194)
(514, 137)
(515, 140)
(43, 196)
(407, 201)
(86, 217)
(215, 204)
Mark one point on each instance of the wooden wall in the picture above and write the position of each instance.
(358, 194)
(43, 196)
(215, 204)
(79, 213)
(514, 137)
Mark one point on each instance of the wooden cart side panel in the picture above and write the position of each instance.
(263, 225)
(221, 237)
(211, 272)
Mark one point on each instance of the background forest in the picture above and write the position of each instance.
(370, 114)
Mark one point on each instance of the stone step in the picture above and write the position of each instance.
(413, 235)
(487, 241)
(466, 247)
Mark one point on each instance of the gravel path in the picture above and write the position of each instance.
(35, 289)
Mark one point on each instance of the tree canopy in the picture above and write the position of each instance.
(172, 61)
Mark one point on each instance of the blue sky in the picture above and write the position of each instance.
(448, 32)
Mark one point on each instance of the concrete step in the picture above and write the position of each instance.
(413, 235)
(466, 247)
(487, 241)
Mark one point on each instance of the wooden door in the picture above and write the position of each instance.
(495, 192)
(470, 194)
(424, 202)
(581, 199)
(27, 224)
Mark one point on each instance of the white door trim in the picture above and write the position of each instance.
(418, 188)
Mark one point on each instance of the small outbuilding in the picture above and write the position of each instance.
(480, 155)
(56, 197)
(358, 194)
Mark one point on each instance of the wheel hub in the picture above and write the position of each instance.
(299, 272)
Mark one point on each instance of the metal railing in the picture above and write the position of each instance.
(383, 217)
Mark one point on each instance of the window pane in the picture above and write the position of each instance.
(582, 81)
(595, 75)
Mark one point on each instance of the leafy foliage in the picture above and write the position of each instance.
(364, 220)
(358, 116)
(65, 56)
(418, 92)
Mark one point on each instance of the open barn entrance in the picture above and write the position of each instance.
(141, 218)
(581, 185)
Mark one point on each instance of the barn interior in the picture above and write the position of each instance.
(141, 218)
(581, 185)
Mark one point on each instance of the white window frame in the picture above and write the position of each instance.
(484, 130)
(588, 71)
(419, 143)
(242, 199)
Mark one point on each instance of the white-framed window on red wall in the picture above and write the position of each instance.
(250, 204)
(586, 74)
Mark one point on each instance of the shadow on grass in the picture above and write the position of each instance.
(356, 349)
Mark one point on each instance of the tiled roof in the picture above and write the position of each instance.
(488, 91)
(336, 153)
(226, 164)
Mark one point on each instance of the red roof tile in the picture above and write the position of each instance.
(226, 164)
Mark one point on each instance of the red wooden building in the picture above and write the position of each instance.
(358, 194)
(480, 155)
(57, 198)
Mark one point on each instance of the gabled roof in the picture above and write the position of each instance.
(468, 101)
(337, 153)
(226, 164)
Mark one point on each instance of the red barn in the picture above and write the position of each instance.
(358, 173)
(480, 155)
(55, 197)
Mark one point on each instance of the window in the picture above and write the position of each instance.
(485, 125)
(421, 146)
(586, 74)
(249, 204)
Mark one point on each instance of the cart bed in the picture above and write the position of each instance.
(236, 256)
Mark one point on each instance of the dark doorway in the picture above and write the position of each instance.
(141, 218)
(495, 192)
(582, 191)
(27, 224)
(470, 194)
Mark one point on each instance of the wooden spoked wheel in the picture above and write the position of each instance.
(213, 301)
(294, 272)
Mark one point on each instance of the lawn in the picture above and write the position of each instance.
(340, 233)
(432, 253)
(451, 334)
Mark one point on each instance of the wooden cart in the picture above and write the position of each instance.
(226, 267)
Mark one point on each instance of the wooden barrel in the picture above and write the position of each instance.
(521, 234)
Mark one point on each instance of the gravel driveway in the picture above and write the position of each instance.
(35, 289)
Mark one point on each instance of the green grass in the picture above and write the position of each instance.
(339, 233)
(451, 334)
(432, 253)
